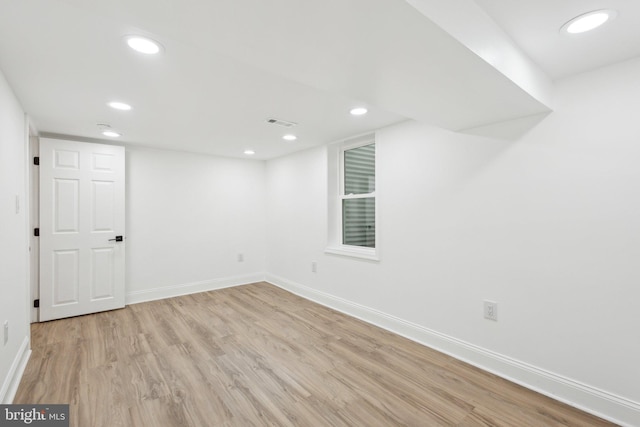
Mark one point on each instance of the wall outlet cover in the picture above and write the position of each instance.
(491, 310)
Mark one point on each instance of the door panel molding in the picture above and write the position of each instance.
(82, 209)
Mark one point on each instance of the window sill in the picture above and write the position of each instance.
(353, 252)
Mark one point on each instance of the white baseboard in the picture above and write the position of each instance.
(598, 402)
(145, 295)
(12, 381)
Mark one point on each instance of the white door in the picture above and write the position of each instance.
(82, 228)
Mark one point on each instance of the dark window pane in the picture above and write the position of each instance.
(360, 170)
(359, 222)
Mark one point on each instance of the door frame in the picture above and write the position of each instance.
(88, 165)
(32, 206)
(34, 222)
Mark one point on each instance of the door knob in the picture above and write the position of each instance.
(117, 239)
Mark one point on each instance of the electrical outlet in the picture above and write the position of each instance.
(240, 257)
(491, 310)
(6, 332)
(314, 267)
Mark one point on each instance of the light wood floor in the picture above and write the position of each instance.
(257, 355)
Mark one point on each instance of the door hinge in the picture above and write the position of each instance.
(36, 160)
(36, 232)
(36, 303)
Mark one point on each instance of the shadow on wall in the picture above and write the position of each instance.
(509, 130)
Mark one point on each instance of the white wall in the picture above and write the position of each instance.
(14, 286)
(548, 226)
(188, 218)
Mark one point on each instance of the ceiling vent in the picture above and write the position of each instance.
(282, 123)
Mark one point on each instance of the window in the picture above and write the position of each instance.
(358, 196)
(352, 199)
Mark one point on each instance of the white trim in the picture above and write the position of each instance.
(28, 165)
(359, 196)
(12, 381)
(356, 141)
(335, 200)
(33, 222)
(171, 291)
(601, 403)
(354, 252)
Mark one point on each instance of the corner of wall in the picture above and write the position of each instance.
(12, 381)
(164, 292)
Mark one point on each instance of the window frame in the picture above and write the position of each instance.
(336, 244)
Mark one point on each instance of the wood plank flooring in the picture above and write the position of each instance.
(256, 355)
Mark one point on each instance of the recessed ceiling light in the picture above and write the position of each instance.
(111, 133)
(289, 137)
(588, 21)
(119, 106)
(249, 152)
(143, 45)
(358, 111)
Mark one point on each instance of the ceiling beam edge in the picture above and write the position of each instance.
(468, 23)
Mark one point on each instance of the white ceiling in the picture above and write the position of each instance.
(228, 65)
(535, 26)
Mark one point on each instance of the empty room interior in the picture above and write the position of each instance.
(341, 213)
